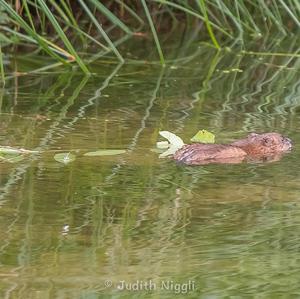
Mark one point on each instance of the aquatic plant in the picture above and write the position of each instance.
(82, 31)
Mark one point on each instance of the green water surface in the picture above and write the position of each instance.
(84, 229)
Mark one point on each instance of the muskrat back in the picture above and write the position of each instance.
(254, 146)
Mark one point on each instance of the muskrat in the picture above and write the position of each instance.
(267, 146)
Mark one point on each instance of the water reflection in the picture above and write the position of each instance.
(66, 230)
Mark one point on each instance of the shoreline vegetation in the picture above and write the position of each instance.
(80, 32)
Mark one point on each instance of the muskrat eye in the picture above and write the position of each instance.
(267, 141)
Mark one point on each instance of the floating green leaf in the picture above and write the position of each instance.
(162, 144)
(11, 155)
(11, 158)
(169, 152)
(175, 143)
(204, 136)
(109, 152)
(15, 151)
(157, 150)
(172, 138)
(64, 158)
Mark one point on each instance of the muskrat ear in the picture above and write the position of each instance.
(252, 134)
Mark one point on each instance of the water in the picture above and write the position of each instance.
(85, 229)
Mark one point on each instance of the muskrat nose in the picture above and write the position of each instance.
(288, 142)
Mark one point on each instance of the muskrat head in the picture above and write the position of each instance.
(269, 143)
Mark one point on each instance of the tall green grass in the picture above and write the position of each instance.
(2, 76)
(203, 9)
(65, 29)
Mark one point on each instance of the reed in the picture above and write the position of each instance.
(66, 29)
(2, 76)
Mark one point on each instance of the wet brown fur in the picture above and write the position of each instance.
(253, 147)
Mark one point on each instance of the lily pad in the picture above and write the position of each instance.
(64, 157)
(204, 136)
(109, 152)
(172, 138)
